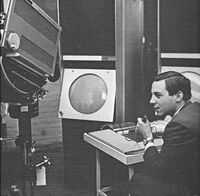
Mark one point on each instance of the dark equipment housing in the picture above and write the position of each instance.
(29, 52)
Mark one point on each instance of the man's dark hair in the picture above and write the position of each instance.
(176, 82)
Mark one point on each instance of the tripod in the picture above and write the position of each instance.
(24, 113)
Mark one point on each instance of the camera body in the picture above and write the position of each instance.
(29, 51)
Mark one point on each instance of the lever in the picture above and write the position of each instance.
(144, 119)
(45, 162)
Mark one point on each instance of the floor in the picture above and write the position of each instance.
(10, 175)
(79, 182)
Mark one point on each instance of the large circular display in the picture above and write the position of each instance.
(88, 93)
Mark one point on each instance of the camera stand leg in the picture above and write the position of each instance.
(24, 113)
(27, 183)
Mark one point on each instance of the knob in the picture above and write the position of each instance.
(13, 41)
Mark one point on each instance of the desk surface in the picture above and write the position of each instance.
(117, 146)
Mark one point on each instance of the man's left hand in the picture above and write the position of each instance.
(144, 128)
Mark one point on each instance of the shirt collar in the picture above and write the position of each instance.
(177, 111)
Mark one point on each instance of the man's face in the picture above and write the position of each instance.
(162, 102)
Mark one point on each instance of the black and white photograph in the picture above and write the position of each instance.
(100, 97)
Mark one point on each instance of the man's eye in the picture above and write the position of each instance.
(158, 96)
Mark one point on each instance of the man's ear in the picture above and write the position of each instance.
(179, 96)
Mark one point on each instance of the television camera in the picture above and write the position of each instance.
(29, 51)
(30, 57)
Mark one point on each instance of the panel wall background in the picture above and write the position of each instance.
(88, 27)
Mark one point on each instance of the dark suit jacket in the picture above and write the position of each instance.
(178, 160)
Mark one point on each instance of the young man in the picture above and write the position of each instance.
(175, 169)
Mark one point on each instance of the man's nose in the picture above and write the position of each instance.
(152, 100)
